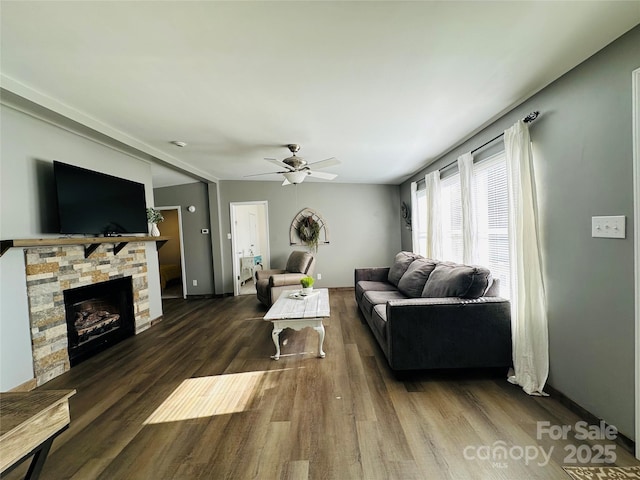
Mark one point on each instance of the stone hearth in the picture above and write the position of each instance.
(51, 270)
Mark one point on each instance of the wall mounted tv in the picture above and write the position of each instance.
(94, 203)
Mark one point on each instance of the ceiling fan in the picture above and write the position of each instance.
(296, 169)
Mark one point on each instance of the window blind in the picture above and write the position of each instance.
(492, 210)
(451, 215)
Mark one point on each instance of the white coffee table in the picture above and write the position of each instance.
(298, 312)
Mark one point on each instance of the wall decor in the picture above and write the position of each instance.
(308, 228)
(405, 212)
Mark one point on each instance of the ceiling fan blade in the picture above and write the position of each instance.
(323, 175)
(279, 164)
(260, 174)
(329, 162)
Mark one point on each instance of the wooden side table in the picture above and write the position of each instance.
(29, 422)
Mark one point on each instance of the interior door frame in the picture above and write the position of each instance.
(235, 264)
(635, 99)
(182, 261)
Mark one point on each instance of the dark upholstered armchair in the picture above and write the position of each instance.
(271, 283)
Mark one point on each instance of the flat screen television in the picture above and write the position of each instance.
(94, 203)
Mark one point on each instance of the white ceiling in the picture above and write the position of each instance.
(384, 86)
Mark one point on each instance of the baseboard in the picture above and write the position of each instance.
(157, 320)
(622, 440)
(26, 386)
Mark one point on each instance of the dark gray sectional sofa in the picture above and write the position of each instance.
(428, 314)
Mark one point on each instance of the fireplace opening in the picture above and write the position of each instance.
(98, 316)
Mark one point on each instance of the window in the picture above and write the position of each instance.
(491, 207)
(492, 218)
(451, 215)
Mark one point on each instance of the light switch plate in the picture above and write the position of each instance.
(609, 227)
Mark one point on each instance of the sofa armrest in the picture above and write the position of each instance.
(260, 274)
(283, 279)
(375, 274)
(448, 333)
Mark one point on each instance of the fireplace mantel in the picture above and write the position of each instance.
(90, 243)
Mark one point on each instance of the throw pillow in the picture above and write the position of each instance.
(413, 281)
(400, 265)
(454, 280)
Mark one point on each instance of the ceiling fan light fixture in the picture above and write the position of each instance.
(295, 177)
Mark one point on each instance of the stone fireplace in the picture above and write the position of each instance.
(52, 270)
(98, 316)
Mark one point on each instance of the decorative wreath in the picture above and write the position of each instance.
(309, 231)
(405, 211)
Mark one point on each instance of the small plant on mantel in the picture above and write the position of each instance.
(307, 285)
(153, 218)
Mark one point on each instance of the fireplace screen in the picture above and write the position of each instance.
(98, 316)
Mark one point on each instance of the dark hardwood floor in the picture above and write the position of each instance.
(197, 396)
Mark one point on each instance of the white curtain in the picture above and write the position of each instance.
(414, 218)
(528, 304)
(434, 227)
(469, 230)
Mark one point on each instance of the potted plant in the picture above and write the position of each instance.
(307, 285)
(153, 218)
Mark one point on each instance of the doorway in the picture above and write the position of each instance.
(249, 243)
(171, 255)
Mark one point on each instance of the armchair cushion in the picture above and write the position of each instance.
(299, 262)
(265, 274)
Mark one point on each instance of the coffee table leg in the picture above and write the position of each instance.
(275, 335)
(320, 330)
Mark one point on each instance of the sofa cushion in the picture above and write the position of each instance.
(413, 280)
(372, 298)
(493, 290)
(298, 262)
(400, 265)
(367, 285)
(454, 280)
(379, 321)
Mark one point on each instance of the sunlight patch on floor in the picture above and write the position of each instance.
(207, 396)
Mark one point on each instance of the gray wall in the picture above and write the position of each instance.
(29, 146)
(582, 146)
(363, 220)
(197, 246)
